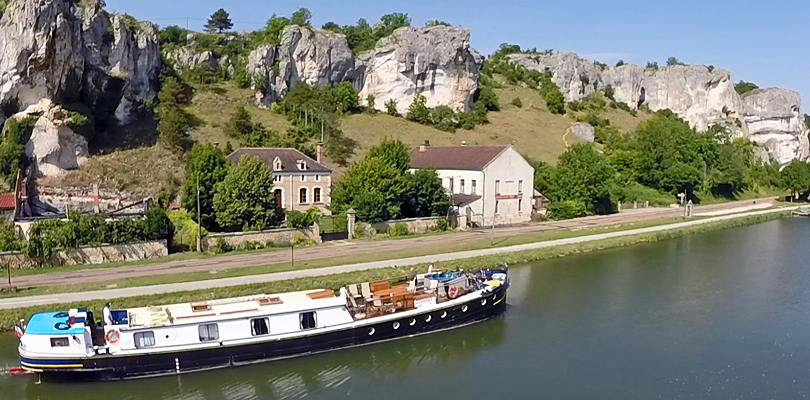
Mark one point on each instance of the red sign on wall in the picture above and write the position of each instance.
(508, 196)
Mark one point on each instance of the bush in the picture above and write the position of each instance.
(418, 110)
(399, 229)
(301, 220)
(185, 230)
(442, 225)
(391, 108)
(517, 103)
(250, 245)
(221, 247)
(566, 210)
(489, 99)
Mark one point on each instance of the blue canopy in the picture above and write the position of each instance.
(52, 323)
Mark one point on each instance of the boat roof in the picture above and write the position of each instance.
(238, 307)
(53, 323)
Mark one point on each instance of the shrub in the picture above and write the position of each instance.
(418, 110)
(250, 245)
(185, 230)
(301, 220)
(370, 104)
(391, 108)
(221, 247)
(610, 92)
(517, 103)
(566, 210)
(359, 231)
(442, 225)
(489, 99)
(399, 229)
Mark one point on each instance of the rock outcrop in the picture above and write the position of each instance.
(436, 62)
(776, 122)
(702, 96)
(583, 131)
(53, 146)
(56, 49)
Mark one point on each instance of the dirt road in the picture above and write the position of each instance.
(339, 249)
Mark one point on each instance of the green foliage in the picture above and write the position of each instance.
(418, 110)
(442, 225)
(398, 230)
(363, 37)
(240, 124)
(301, 17)
(12, 150)
(488, 98)
(745, 87)
(391, 108)
(653, 65)
(796, 178)
(10, 238)
(634, 192)
(584, 175)
(221, 246)
(380, 188)
(272, 31)
(211, 165)
(172, 34)
(302, 220)
(346, 97)
(674, 61)
(602, 66)
(610, 92)
(435, 22)
(555, 101)
(220, 21)
(185, 230)
(370, 100)
(131, 23)
(620, 63)
(173, 121)
(243, 199)
(567, 209)
(81, 122)
(603, 133)
(443, 117)
(331, 26)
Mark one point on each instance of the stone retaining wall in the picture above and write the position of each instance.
(94, 254)
(276, 236)
(415, 225)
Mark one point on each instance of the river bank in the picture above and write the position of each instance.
(9, 316)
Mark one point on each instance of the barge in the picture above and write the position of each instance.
(181, 338)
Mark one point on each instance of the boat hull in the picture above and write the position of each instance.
(169, 363)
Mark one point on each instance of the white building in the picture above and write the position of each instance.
(487, 183)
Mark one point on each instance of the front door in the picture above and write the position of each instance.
(277, 194)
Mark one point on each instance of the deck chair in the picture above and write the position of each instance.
(353, 290)
(366, 289)
(433, 286)
(412, 286)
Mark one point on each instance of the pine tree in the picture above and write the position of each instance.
(173, 121)
(219, 21)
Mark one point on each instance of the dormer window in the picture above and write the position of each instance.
(302, 165)
(277, 164)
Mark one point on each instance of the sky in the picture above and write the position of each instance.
(765, 42)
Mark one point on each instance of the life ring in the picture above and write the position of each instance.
(452, 292)
(112, 336)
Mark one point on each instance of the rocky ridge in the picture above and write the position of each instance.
(703, 96)
(436, 62)
(68, 53)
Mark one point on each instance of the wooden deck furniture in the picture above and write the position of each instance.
(323, 294)
(381, 285)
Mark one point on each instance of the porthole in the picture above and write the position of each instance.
(464, 308)
(428, 318)
(444, 314)
(483, 302)
(371, 331)
(396, 325)
(413, 322)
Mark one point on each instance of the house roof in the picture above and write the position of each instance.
(462, 199)
(474, 158)
(289, 158)
(8, 201)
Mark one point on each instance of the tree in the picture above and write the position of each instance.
(172, 34)
(584, 175)
(391, 108)
(243, 199)
(346, 97)
(488, 98)
(240, 124)
(173, 121)
(275, 25)
(620, 63)
(331, 26)
(393, 152)
(389, 23)
(373, 187)
(796, 178)
(435, 22)
(10, 238)
(418, 110)
(425, 195)
(744, 87)
(220, 21)
(610, 92)
(652, 65)
(674, 61)
(211, 165)
(302, 17)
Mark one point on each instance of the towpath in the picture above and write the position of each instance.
(235, 281)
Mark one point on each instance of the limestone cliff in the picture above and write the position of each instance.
(436, 62)
(703, 96)
(53, 147)
(75, 52)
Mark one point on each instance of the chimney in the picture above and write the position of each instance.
(422, 148)
(318, 152)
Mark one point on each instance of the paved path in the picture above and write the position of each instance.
(340, 249)
(244, 280)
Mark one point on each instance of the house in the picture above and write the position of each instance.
(8, 205)
(487, 184)
(300, 182)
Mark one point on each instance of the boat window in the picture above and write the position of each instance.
(260, 326)
(60, 342)
(308, 320)
(144, 339)
(208, 332)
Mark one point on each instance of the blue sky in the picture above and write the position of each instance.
(760, 41)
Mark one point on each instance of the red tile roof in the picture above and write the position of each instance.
(455, 157)
(289, 158)
(8, 201)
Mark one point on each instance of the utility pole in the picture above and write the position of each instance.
(8, 270)
(199, 218)
(292, 254)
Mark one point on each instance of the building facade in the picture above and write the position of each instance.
(487, 184)
(300, 182)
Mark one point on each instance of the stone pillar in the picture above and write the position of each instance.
(351, 216)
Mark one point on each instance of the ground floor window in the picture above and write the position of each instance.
(278, 194)
(259, 326)
(144, 339)
(302, 198)
(316, 195)
(208, 332)
(308, 320)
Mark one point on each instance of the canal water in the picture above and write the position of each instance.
(721, 315)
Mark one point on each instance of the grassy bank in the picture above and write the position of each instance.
(8, 317)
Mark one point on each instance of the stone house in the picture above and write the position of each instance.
(300, 182)
(490, 184)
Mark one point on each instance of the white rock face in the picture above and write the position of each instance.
(436, 62)
(53, 147)
(583, 131)
(58, 50)
(700, 95)
(776, 122)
